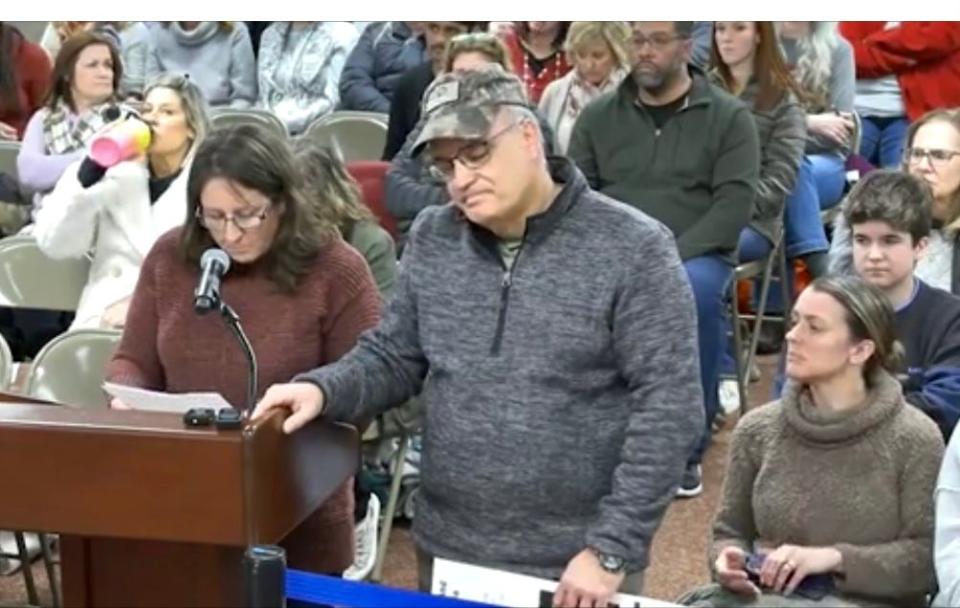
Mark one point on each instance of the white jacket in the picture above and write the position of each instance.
(113, 221)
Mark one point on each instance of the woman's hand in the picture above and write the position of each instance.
(8, 133)
(115, 317)
(731, 567)
(837, 127)
(788, 565)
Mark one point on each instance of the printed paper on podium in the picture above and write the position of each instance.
(490, 586)
(155, 401)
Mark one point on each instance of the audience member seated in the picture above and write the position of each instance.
(299, 69)
(889, 214)
(118, 213)
(746, 61)
(933, 154)
(384, 52)
(904, 70)
(828, 493)
(131, 38)
(303, 295)
(216, 55)
(685, 152)
(599, 54)
(136, 48)
(24, 81)
(536, 53)
(336, 198)
(946, 537)
(405, 107)
(85, 81)
(57, 32)
(410, 186)
(822, 64)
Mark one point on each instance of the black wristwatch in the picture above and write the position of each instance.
(610, 563)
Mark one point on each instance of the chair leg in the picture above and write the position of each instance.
(398, 462)
(738, 348)
(761, 308)
(785, 268)
(32, 597)
(51, 569)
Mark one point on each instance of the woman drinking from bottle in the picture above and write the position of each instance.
(115, 214)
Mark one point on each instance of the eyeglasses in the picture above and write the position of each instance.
(658, 42)
(938, 158)
(472, 156)
(243, 221)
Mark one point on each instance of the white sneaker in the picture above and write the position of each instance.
(365, 543)
(729, 396)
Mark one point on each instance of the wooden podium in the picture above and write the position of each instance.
(152, 513)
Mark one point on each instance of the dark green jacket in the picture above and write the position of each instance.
(698, 175)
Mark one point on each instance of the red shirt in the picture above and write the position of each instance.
(555, 67)
(923, 55)
(32, 71)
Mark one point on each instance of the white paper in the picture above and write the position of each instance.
(489, 586)
(153, 401)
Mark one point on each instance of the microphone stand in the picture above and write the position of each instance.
(232, 320)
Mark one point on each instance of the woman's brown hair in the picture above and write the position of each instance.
(769, 68)
(253, 157)
(332, 192)
(65, 65)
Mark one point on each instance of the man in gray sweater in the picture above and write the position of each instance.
(553, 334)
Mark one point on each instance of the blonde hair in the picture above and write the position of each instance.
(615, 34)
(814, 66)
(477, 42)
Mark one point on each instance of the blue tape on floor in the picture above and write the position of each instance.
(327, 590)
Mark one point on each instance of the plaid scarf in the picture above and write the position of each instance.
(62, 137)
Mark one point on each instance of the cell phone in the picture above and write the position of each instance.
(229, 418)
(812, 587)
(754, 564)
(815, 586)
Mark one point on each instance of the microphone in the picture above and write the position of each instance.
(214, 263)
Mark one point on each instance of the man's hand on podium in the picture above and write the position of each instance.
(303, 399)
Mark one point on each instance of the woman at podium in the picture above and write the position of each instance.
(302, 294)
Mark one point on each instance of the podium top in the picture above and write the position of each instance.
(144, 475)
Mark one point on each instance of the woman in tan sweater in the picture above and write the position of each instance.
(303, 295)
(831, 486)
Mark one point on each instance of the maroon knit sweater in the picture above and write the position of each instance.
(167, 346)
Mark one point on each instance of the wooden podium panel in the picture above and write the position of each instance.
(152, 513)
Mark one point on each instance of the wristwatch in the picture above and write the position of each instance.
(610, 563)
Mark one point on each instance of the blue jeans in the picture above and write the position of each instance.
(882, 140)
(820, 183)
(753, 246)
(709, 276)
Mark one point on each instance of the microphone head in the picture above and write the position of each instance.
(215, 255)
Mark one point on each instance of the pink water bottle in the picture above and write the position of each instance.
(127, 140)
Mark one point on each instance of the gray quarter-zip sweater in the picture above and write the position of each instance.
(562, 397)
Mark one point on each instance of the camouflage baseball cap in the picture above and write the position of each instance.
(464, 104)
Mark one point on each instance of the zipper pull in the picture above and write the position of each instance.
(506, 280)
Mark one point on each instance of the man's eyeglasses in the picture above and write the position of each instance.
(472, 156)
(938, 158)
(243, 221)
(657, 42)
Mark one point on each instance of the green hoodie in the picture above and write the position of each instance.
(698, 174)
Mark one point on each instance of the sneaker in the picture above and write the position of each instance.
(692, 483)
(729, 396)
(365, 543)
